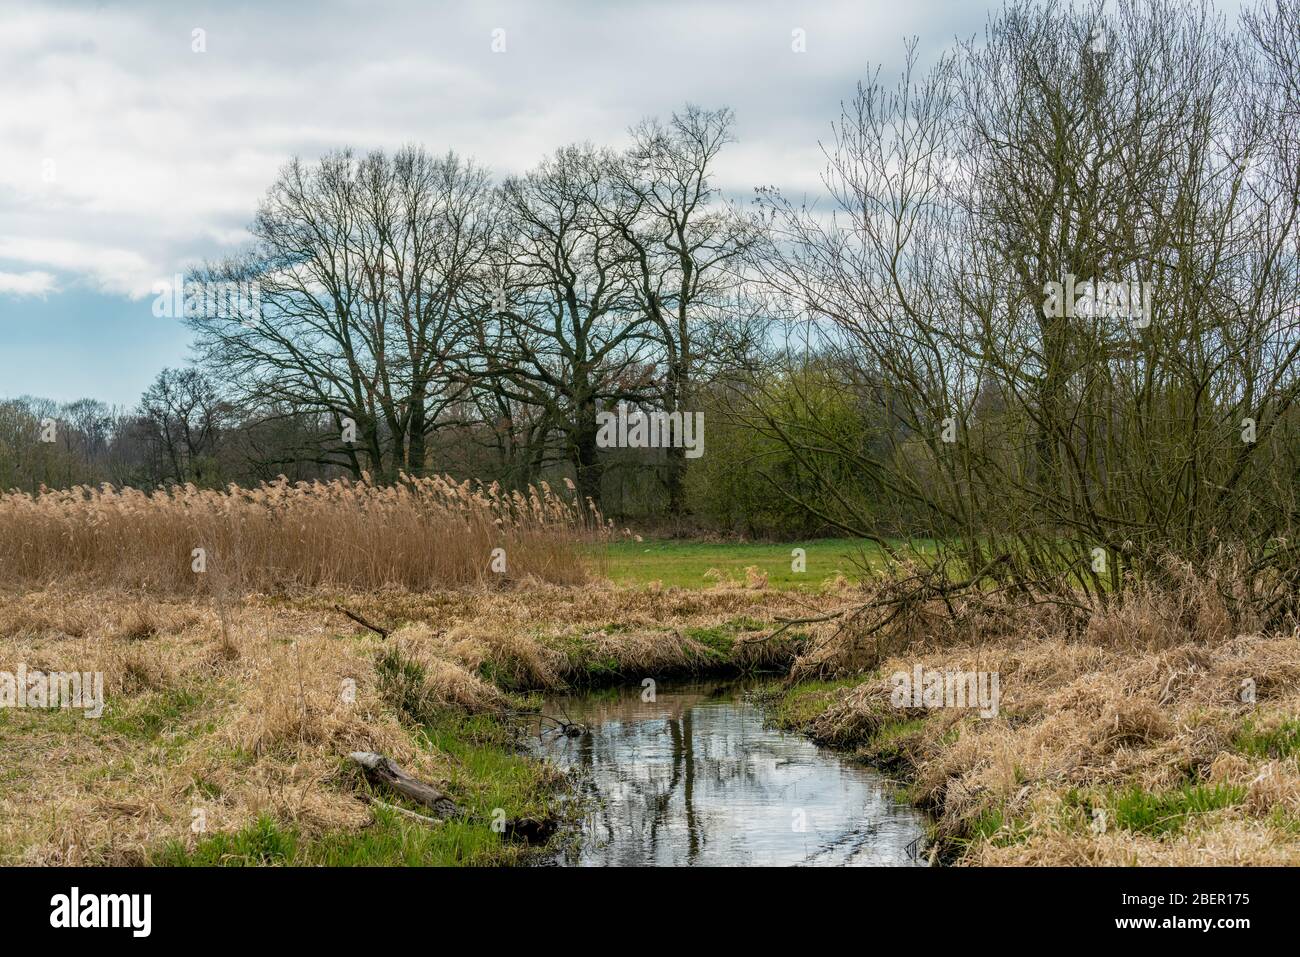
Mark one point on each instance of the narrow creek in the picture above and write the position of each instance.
(698, 777)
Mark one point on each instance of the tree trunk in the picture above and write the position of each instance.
(415, 454)
(586, 454)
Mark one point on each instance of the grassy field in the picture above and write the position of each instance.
(1136, 724)
(1122, 738)
(699, 564)
(237, 714)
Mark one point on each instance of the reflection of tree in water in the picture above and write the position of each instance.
(682, 733)
(690, 779)
(650, 793)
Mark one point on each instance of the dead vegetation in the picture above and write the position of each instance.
(1125, 736)
(1156, 731)
(257, 726)
(419, 533)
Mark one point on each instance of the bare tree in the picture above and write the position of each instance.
(182, 416)
(363, 269)
(683, 242)
(563, 331)
(1135, 166)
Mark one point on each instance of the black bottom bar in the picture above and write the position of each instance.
(338, 907)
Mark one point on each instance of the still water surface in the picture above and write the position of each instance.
(696, 777)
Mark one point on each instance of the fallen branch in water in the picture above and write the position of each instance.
(383, 632)
(570, 729)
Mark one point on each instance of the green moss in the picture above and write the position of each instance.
(809, 700)
(718, 643)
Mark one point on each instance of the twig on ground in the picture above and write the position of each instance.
(383, 632)
(422, 818)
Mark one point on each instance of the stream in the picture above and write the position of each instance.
(697, 777)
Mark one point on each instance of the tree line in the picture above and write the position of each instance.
(892, 360)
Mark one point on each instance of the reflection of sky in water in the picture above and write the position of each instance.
(697, 779)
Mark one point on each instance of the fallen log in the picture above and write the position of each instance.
(381, 769)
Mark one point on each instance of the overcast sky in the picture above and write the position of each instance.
(125, 154)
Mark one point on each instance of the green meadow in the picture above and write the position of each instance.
(687, 563)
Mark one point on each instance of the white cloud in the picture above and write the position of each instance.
(34, 283)
(121, 272)
(125, 155)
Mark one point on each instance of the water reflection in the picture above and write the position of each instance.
(694, 777)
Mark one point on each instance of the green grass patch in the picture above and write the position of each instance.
(717, 642)
(403, 684)
(807, 701)
(1169, 812)
(391, 841)
(720, 640)
(1281, 819)
(490, 780)
(153, 715)
(995, 826)
(261, 843)
(1280, 741)
(586, 666)
(895, 731)
(685, 563)
(394, 841)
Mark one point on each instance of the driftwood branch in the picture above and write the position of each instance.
(788, 623)
(570, 729)
(383, 632)
(529, 830)
(383, 770)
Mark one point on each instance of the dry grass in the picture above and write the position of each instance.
(231, 702)
(421, 533)
(1128, 743)
(255, 726)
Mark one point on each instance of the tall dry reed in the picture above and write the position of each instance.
(419, 533)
